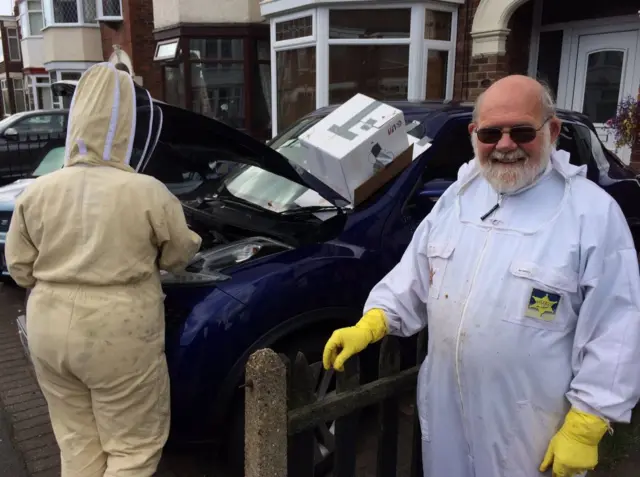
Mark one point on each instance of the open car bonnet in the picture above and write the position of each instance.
(207, 140)
(186, 130)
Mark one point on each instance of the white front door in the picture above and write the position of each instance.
(606, 71)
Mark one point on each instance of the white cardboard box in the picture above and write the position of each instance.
(353, 142)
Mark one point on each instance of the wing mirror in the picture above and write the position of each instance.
(11, 133)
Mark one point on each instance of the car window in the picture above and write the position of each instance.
(45, 123)
(451, 149)
(52, 161)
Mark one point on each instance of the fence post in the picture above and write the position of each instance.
(389, 365)
(416, 455)
(347, 426)
(265, 438)
(301, 445)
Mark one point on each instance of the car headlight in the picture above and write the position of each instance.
(213, 261)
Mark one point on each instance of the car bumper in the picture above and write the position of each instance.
(3, 262)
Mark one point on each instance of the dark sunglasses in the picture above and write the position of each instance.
(518, 134)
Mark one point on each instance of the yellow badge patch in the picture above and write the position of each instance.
(543, 305)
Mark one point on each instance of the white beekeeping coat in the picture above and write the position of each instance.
(530, 311)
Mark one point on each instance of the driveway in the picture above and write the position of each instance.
(28, 447)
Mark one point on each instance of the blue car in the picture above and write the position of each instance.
(272, 273)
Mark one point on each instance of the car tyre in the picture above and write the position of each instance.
(311, 343)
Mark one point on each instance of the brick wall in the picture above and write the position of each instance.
(473, 75)
(135, 37)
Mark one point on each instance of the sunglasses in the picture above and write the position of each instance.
(518, 134)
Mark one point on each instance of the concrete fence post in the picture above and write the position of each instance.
(265, 438)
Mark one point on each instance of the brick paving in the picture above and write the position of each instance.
(25, 409)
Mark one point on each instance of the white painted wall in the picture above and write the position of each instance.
(167, 13)
(33, 52)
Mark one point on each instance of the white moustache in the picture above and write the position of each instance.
(508, 157)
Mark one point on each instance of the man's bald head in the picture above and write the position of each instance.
(524, 90)
(512, 105)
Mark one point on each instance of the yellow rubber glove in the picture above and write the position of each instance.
(346, 342)
(574, 448)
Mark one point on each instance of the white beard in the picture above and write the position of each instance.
(509, 178)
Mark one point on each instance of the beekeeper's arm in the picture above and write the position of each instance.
(606, 348)
(606, 359)
(20, 252)
(177, 243)
(397, 304)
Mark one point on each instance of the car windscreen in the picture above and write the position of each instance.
(268, 190)
(52, 161)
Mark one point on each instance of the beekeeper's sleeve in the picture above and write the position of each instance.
(402, 293)
(606, 349)
(20, 252)
(177, 243)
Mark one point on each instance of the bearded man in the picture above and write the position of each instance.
(526, 275)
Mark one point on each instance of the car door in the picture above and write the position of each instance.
(438, 169)
(34, 132)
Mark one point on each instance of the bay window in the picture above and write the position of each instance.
(109, 9)
(13, 41)
(389, 52)
(295, 67)
(70, 12)
(225, 74)
(31, 18)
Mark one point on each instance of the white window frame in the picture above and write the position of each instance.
(4, 86)
(15, 36)
(34, 86)
(20, 91)
(167, 57)
(24, 19)
(424, 46)
(418, 48)
(107, 18)
(49, 18)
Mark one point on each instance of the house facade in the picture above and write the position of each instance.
(323, 52)
(216, 60)
(11, 78)
(587, 52)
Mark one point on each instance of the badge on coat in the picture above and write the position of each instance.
(543, 305)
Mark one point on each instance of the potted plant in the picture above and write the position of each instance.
(625, 125)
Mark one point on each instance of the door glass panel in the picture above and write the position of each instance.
(602, 85)
(549, 55)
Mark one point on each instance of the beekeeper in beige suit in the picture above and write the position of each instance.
(90, 240)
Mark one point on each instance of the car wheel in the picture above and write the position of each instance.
(311, 343)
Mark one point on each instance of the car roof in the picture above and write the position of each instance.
(421, 110)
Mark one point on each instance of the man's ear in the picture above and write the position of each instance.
(472, 127)
(555, 125)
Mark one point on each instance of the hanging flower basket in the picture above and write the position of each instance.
(626, 123)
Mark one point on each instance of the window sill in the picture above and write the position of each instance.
(71, 25)
(31, 36)
(110, 19)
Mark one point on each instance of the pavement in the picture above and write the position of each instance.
(27, 444)
(28, 447)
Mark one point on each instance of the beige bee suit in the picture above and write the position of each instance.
(90, 239)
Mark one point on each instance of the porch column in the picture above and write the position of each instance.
(489, 34)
